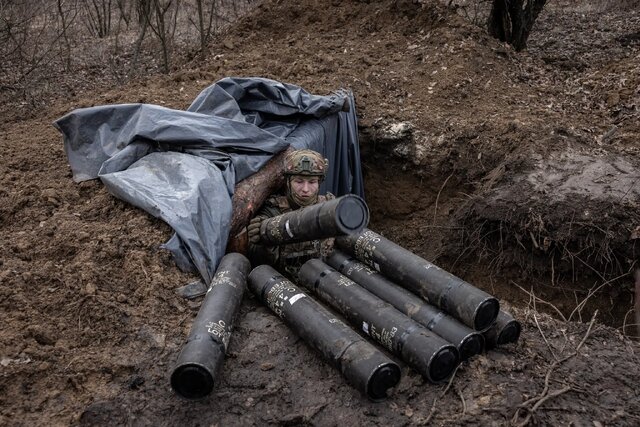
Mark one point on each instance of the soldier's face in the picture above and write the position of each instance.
(305, 187)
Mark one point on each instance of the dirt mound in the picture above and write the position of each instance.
(516, 172)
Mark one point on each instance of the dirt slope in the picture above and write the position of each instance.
(507, 169)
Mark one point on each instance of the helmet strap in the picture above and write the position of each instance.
(294, 200)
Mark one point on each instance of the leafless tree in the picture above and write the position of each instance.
(126, 9)
(67, 13)
(28, 37)
(97, 17)
(143, 12)
(511, 21)
(162, 20)
(207, 15)
(44, 44)
(211, 15)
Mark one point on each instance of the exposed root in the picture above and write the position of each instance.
(531, 406)
(537, 247)
(592, 292)
(536, 298)
(432, 411)
(464, 404)
(435, 210)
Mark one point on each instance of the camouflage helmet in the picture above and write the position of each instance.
(305, 162)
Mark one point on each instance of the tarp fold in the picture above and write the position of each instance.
(182, 166)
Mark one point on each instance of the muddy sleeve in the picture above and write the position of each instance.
(258, 252)
(262, 254)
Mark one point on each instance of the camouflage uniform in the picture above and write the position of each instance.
(289, 258)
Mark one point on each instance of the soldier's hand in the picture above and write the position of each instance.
(253, 229)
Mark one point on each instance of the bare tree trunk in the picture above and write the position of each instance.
(143, 8)
(164, 27)
(498, 25)
(161, 32)
(98, 17)
(205, 24)
(174, 22)
(249, 195)
(201, 26)
(66, 24)
(125, 7)
(511, 21)
(32, 46)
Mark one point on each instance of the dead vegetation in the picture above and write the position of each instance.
(477, 157)
(54, 50)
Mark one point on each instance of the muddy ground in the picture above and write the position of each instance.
(518, 172)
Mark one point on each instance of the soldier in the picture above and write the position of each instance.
(304, 172)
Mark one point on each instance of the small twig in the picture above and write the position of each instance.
(585, 264)
(450, 381)
(630, 188)
(549, 396)
(540, 300)
(575, 298)
(184, 319)
(573, 385)
(435, 211)
(606, 137)
(544, 337)
(566, 341)
(545, 395)
(464, 405)
(535, 318)
(435, 400)
(586, 335)
(431, 411)
(519, 242)
(533, 240)
(624, 322)
(593, 291)
(143, 270)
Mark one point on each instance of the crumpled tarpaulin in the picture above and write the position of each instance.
(182, 166)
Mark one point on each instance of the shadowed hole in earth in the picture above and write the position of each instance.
(569, 259)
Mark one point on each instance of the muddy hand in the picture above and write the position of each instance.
(253, 229)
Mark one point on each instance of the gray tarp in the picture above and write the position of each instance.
(182, 166)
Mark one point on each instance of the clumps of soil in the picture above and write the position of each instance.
(578, 209)
(475, 157)
(537, 179)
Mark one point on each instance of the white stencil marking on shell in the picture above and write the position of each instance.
(295, 298)
(286, 227)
